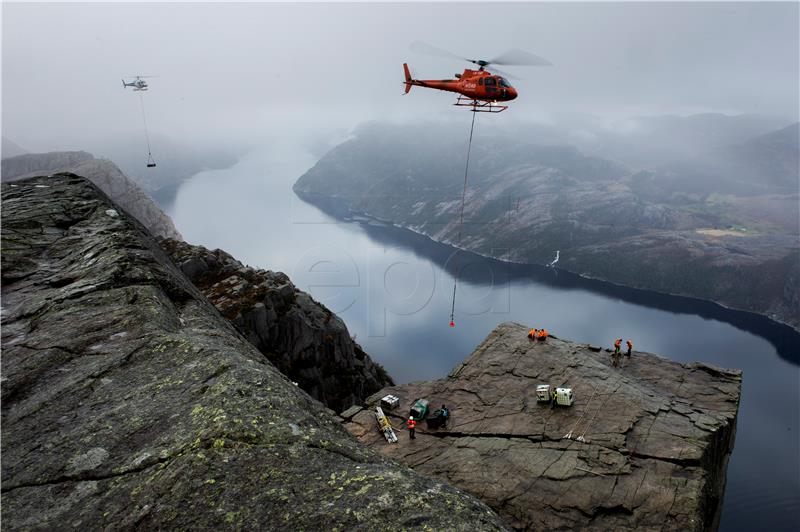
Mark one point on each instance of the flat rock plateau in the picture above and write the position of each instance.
(657, 435)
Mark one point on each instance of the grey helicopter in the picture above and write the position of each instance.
(138, 83)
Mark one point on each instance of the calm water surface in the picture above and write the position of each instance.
(393, 289)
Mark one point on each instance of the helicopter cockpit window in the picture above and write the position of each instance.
(490, 82)
(503, 82)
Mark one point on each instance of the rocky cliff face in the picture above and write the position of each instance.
(128, 402)
(305, 340)
(656, 436)
(697, 235)
(103, 173)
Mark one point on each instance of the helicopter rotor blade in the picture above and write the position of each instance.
(521, 58)
(514, 57)
(429, 49)
(505, 74)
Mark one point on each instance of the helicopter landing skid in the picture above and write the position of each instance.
(480, 106)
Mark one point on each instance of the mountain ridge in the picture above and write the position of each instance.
(102, 172)
(610, 223)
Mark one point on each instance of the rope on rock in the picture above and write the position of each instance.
(568, 435)
(582, 437)
(461, 222)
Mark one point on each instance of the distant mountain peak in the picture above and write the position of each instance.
(11, 149)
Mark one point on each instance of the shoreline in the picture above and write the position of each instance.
(338, 209)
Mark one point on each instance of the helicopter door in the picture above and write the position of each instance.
(491, 86)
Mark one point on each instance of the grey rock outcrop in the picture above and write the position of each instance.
(656, 436)
(304, 339)
(128, 402)
(103, 173)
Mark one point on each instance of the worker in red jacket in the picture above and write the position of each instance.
(630, 347)
(411, 426)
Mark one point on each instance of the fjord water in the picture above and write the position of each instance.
(393, 288)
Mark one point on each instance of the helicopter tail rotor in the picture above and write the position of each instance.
(408, 78)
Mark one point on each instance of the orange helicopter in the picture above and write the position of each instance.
(479, 89)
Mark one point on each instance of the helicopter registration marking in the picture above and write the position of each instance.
(469, 85)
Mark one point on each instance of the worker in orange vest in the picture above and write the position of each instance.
(630, 347)
(543, 334)
(532, 334)
(411, 426)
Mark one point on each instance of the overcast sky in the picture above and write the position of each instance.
(227, 73)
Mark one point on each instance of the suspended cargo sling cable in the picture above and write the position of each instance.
(461, 220)
(150, 161)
